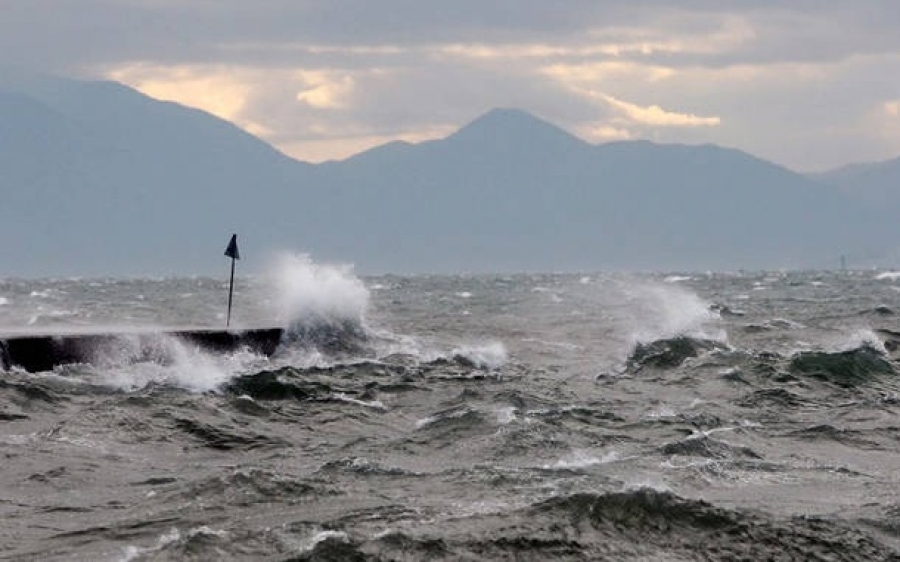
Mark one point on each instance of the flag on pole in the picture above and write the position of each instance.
(232, 250)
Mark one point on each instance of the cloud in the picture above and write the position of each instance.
(655, 115)
(579, 76)
(221, 90)
(323, 89)
(601, 132)
(892, 108)
(795, 81)
(580, 79)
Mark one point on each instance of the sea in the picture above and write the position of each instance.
(593, 416)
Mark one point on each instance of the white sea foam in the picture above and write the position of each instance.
(582, 459)
(424, 422)
(323, 536)
(373, 404)
(648, 482)
(490, 355)
(661, 412)
(555, 344)
(4, 301)
(888, 275)
(133, 363)
(861, 337)
(164, 540)
(507, 415)
(854, 338)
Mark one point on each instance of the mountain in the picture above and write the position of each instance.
(877, 183)
(512, 192)
(96, 178)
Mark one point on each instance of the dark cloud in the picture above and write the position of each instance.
(76, 34)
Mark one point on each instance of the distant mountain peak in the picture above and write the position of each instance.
(513, 126)
(507, 116)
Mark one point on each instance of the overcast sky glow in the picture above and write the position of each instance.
(810, 84)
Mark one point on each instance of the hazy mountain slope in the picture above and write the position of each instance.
(877, 183)
(106, 178)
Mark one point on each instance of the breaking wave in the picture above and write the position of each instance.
(322, 307)
(665, 311)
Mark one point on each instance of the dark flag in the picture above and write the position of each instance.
(232, 250)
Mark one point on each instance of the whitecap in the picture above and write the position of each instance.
(506, 416)
(582, 459)
(323, 536)
(667, 311)
(374, 404)
(491, 355)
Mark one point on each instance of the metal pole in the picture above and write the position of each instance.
(232, 252)
(230, 293)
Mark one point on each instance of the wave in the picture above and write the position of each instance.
(668, 353)
(363, 466)
(775, 398)
(827, 432)
(356, 381)
(667, 311)
(254, 485)
(223, 437)
(453, 420)
(321, 306)
(881, 310)
(772, 325)
(489, 356)
(642, 524)
(843, 368)
(28, 394)
(132, 363)
(283, 384)
(704, 446)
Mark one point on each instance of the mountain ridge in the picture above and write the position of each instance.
(123, 183)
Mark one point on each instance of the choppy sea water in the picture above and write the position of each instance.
(745, 416)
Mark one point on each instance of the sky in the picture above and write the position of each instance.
(808, 84)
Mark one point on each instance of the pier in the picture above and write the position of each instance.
(43, 352)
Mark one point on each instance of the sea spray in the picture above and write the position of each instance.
(490, 355)
(667, 311)
(651, 314)
(135, 362)
(322, 306)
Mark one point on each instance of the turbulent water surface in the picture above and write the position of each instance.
(529, 417)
